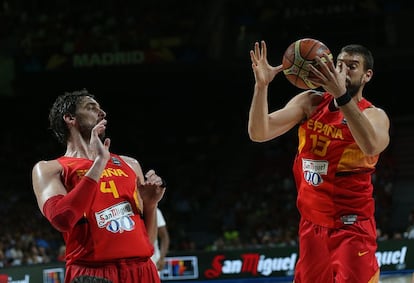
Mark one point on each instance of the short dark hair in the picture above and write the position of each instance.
(65, 104)
(360, 50)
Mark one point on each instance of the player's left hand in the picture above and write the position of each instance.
(153, 188)
(331, 78)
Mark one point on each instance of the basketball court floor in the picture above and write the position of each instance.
(389, 277)
(397, 278)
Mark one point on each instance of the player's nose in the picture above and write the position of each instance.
(102, 114)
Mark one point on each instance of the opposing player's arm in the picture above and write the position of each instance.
(164, 243)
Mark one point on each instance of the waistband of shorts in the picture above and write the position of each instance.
(349, 219)
(113, 262)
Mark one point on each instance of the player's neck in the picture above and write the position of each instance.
(80, 149)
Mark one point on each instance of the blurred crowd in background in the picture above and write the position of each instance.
(188, 31)
(224, 192)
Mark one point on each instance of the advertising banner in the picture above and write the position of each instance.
(259, 264)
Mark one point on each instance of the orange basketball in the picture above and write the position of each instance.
(297, 58)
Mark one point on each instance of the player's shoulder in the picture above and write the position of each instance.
(47, 163)
(371, 107)
(129, 159)
(50, 166)
(132, 162)
(310, 94)
(375, 111)
(308, 98)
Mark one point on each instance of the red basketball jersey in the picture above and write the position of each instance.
(326, 153)
(113, 227)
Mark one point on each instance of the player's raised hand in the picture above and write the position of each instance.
(331, 78)
(100, 149)
(264, 73)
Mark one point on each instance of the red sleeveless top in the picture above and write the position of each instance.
(332, 174)
(113, 227)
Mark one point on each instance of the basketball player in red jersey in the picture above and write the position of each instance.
(101, 202)
(341, 135)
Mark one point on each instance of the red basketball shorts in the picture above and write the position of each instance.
(345, 254)
(121, 271)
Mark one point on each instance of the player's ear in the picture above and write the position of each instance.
(69, 118)
(368, 76)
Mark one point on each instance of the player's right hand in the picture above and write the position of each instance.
(264, 73)
(99, 148)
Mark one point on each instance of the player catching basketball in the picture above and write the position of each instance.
(341, 135)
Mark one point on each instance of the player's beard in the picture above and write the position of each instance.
(86, 130)
(353, 88)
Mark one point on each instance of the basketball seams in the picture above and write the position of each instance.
(295, 62)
